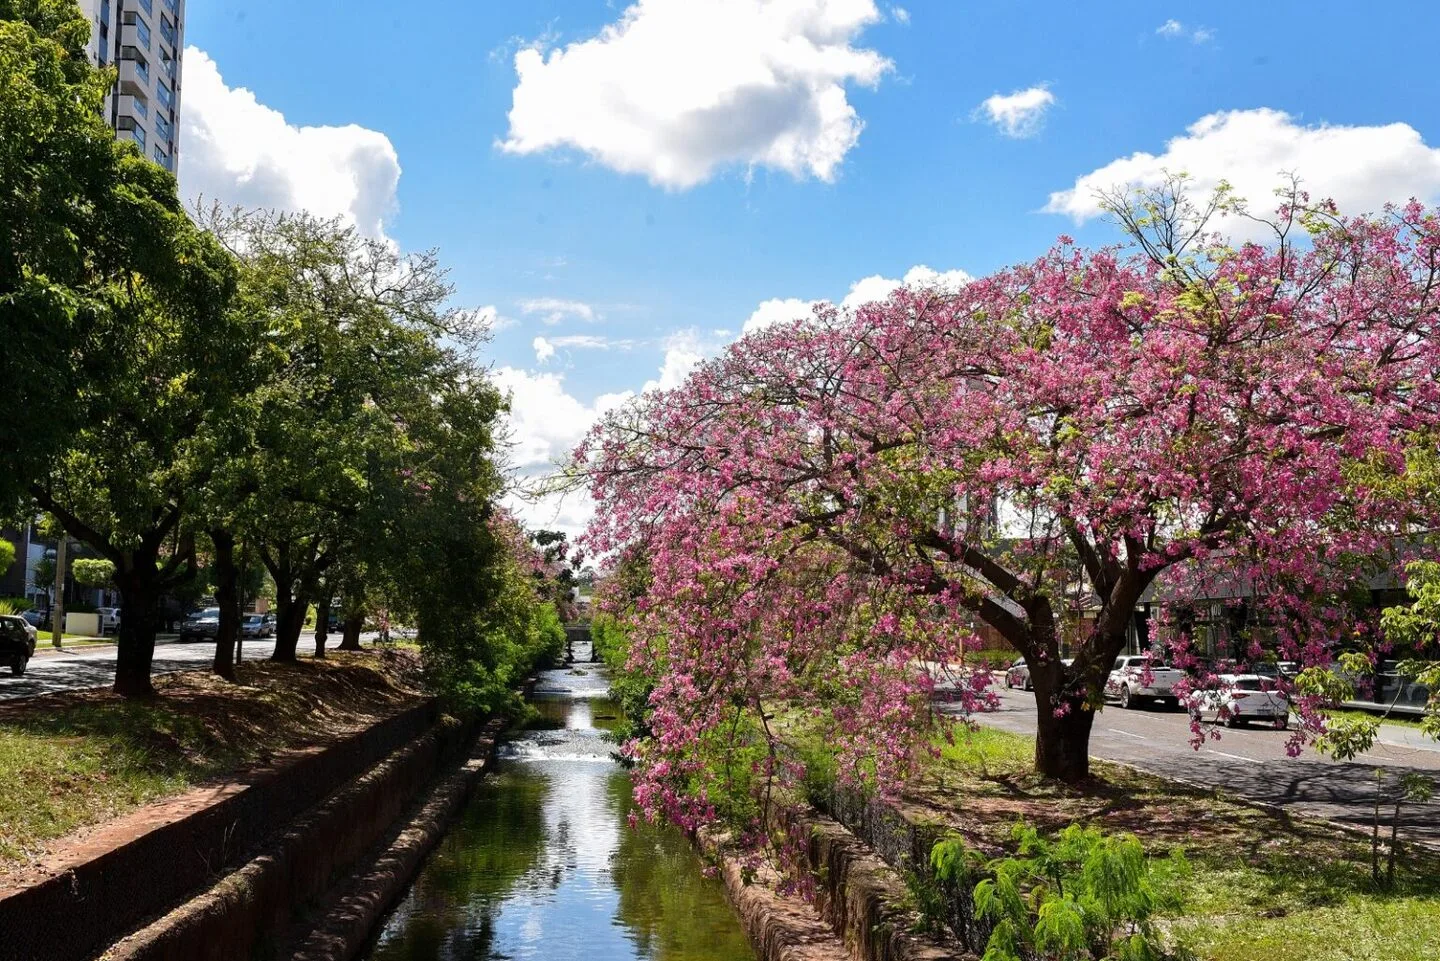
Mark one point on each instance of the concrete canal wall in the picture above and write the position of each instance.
(225, 872)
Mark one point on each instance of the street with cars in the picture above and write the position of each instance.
(1250, 760)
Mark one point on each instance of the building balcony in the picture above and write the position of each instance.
(136, 133)
(134, 78)
(133, 106)
(135, 35)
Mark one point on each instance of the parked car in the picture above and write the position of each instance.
(1239, 698)
(201, 625)
(36, 616)
(109, 619)
(1018, 674)
(1138, 679)
(257, 625)
(17, 643)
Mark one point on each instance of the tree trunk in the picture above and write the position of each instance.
(227, 595)
(322, 624)
(139, 614)
(350, 639)
(1062, 744)
(289, 622)
(57, 610)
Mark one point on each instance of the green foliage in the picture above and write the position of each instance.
(13, 605)
(1078, 895)
(630, 688)
(7, 554)
(485, 627)
(92, 571)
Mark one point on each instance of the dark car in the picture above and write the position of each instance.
(17, 645)
(202, 625)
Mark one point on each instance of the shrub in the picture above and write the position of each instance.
(1077, 896)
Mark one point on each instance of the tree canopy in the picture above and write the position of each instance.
(834, 505)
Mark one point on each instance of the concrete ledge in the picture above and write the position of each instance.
(141, 864)
(781, 928)
(860, 895)
(239, 917)
(353, 911)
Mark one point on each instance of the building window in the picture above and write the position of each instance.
(162, 158)
(167, 99)
(173, 7)
(139, 106)
(128, 125)
(167, 30)
(145, 5)
(167, 65)
(142, 29)
(142, 68)
(163, 129)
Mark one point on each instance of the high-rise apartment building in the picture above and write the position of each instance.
(143, 40)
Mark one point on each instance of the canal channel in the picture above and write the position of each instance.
(543, 862)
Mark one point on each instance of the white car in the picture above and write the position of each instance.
(1240, 698)
(109, 619)
(1018, 673)
(1139, 678)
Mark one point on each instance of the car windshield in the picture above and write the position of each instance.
(1250, 684)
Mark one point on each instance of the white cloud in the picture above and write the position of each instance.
(1175, 30)
(776, 311)
(236, 150)
(684, 350)
(554, 310)
(864, 291)
(1018, 114)
(901, 15)
(1361, 168)
(545, 347)
(678, 89)
(875, 287)
(546, 422)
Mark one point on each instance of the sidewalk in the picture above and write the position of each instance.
(44, 650)
(1403, 735)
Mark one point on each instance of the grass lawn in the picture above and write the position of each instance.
(76, 759)
(1264, 886)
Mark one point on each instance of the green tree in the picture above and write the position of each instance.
(92, 571)
(7, 555)
(374, 405)
(82, 217)
(130, 469)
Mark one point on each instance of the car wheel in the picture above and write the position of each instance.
(1282, 724)
(17, 668)
(1028, 685)
(1125, 700)
(1009, 683)
(1232, 721)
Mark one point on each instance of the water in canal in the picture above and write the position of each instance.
(543, 864)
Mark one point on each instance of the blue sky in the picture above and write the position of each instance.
(665, 178)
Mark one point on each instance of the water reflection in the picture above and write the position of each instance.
(542, 864)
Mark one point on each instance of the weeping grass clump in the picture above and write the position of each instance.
(1080, 895)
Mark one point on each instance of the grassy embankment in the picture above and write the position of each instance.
(1264, 886)
(72, 760)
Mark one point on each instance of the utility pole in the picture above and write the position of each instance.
(57, 610)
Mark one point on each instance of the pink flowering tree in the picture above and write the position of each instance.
(831, 507)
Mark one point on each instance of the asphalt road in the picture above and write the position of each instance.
(1251, 762)
(95, 667)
